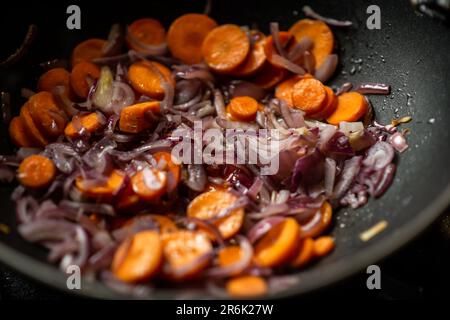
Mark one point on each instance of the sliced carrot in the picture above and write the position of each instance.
(254, 61)
(186, 254)
(330, 106)
(323, 246)
(286, 39)
(36, 171)
(18, 133)
(305, 253)
(269, 76)
(225, 48)
(46, 114)
(146, 31)
(351, 106)
(209, 204)
(246, 286)
(326, 212)
(145, 77)
(278, 245)
(106, 190)
(319, 33)
(54, 78)
(166, 225)
(88, 50)
(229, 255)
(243, 108)
(128, 200)
(133, 119)
(186, 34)
(89, 122)
(309, 95)
(284, 90)
(138, 258)
(149, 184)
(31, 129)
(82, 76)
(166, 163)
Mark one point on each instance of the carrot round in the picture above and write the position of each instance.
(225, 48)
(133, 118)
(323, 246)
(186, 254)
(46, 114)
(283, 90)
(105, 190)
(82, 76)
(186, 34)
(149, 183)
(351, 106)
(145, 78)
(269, 47)
(319, 33)
(278, 245)
(305, 253)
(53, 78)
(88, 50)
(36, 171)
(269, 76)
(246, 286)
(128, 200)
(18, 133)
(309, 95)
(89, 122)
(138, 258)
(229, 255)
(165, 224)
(166, 163)
(326, 212)
(330, 106)
(209, 204)
(254, 61)
(31, 129)
(243, 108)
(147, 31)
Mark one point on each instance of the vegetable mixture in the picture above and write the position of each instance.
(100, 188)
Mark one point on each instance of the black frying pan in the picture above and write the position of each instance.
(410, 52)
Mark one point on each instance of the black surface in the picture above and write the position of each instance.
(410, 52)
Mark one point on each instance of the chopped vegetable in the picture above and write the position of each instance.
(134, 119)
(36, 171)
(88, 51)
(82, 78)
(243, 108)
(309, 95)
(246, 287)
(351, 107)
(87, 123)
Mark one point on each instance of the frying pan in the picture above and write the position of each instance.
(409, 52)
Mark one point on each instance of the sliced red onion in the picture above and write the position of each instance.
(299, 48)
(349, 127)
(102, 258)
(46, 229)
(23, 49)
(196, 177)
(339, 145)
(219, 104)
(379, 155)
(262, 227)
(255, 188)
(327, 69)
(244, 88)
(115, 41)
(99, 208)
(294, 118)
(270, 210)
(229, 124)
(398, 141)
(60, 249)
(309, 12)
(147, 49)
(83, 247)
(288, 65)
(62, 99)
(275, 32)
(374, 88)
(25, 208)
(386, 179)
(345, 87)
(309, 62)
(306, 168)
(151, 147)
(206, 225)
(241, 202)
(197, 71)
(330, 175)
(187, 268)
(122, 96)
(347, 176)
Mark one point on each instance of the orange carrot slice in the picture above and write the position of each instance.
(254, 61)
(305, 253)
(105, 190)
(309, 95)
(149, 184)
(18, 133)
(323, 246)
(286, 39)
(133, 119)
(82, 76)
(351, 106)
(326, 212)
(88, 50)
(330, 106)
(89, 122)
(54, 78)
(246, 286)
(36, 171)
(243, 108)
(284, 90)
(30, 127)
(147, 31)
(269, 76)
(167, 164)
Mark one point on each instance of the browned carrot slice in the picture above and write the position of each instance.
(46, 114)
(186, 254)
(30, 127)
(243, 108)
(269, 76)
(89, 122)
(351, 106)
(36, 171)
(319, 33)
(329, 108)
(186, 34)
(128, 200)
(305, 253)
(326, 216)
(323, 246)
(225, 48)
(82, 76)
(309, 95)
(105, 190)
(209, 204)
(166, 225)
(133, 119)
(138, 258)
(229, 255)
(54, 78)
(246, 286)
(278, 245)
(145, 77)
(254, 61)
(18, 134)
(283, 91)
(286, 39)
(147, 31)
(167, 164)
(149, 184)
(88, 50)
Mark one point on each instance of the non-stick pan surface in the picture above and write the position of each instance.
(410, 52)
